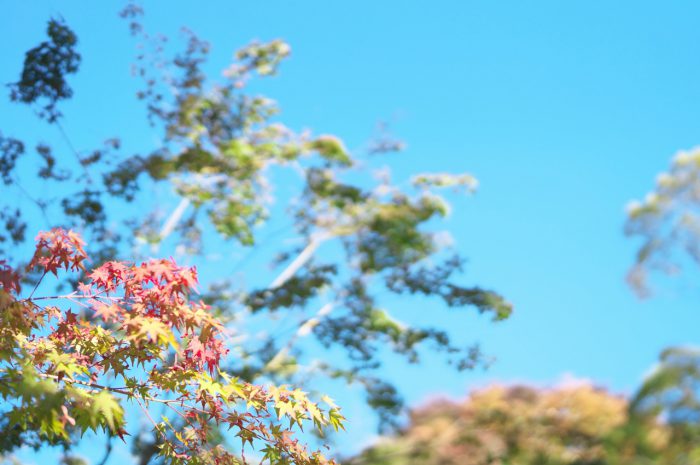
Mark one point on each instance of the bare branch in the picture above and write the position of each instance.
(303, 257)
(303, 331)
(174, 218)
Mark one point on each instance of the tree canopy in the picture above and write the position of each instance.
(235, 171)
(667, 221)
(575, 424)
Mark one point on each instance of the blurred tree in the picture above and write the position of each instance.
(222, 152)
(668, 221)
(576, 425)
(672, 393)
(506, 425)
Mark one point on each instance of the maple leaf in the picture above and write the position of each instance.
(108, 312)
(9, 278)
(58, 249)
(188, 277)
(121, 432)
(84, 289)
(100, 276)
(153, 307)
(196, 347)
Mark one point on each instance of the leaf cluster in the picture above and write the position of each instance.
(137, 338)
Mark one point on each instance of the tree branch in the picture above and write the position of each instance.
(174, 218)
(108, 450)
(303, 331)
(301, 259)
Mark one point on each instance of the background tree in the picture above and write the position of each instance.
(222, 151)
(671, 393)
(501, 425)
(574, 425)
(667, 221)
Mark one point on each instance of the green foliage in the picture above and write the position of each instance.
(223, 152)
(45, 69)
(10, 150)
(667, 221)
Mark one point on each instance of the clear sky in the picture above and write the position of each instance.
(564, 111)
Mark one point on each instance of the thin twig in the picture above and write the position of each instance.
(37, 285)
(108, 451)
(303, 331)
(74, 150)
(73, 296)
(148, 415)
(38, 203)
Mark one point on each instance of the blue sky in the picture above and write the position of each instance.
(564, 111)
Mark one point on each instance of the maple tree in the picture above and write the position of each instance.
(221, 157)
(137, 337)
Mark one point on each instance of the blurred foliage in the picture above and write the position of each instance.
(668, 221)
(570, 425)
(43, 77)
(223, 152)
